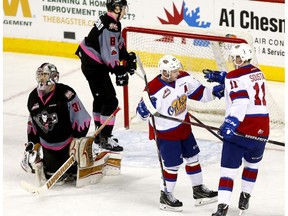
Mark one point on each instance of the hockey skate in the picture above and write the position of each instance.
(110, 144)
(203, 195)
(221, 210)
(169, 203)
(243, 202)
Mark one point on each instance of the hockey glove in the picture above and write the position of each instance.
(131, 63)
(218, 91)
(32, 154)
(228, 128)
(214, 76)
(121, 75)
(142, 109)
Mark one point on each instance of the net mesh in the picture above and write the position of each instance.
(197, 49)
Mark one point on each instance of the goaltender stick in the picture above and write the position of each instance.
(169, 92)
(56, 117)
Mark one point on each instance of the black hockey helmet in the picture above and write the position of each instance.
(112, 4)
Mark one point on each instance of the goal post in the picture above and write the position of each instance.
(197, 49)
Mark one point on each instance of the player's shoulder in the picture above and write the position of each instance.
(183, 74)
(242, 71)
(33, 95)
(156, 84)
(66, 91)
(109, 22)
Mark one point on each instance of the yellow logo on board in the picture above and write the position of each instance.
(12, 8)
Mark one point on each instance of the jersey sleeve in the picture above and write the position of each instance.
(199, 92)
(79, 117)
(32, 134)
(239, 97)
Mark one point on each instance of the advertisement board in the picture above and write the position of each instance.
(57, 26)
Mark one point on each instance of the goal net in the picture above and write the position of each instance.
(197, 49)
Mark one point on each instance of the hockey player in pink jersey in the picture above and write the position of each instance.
(246, 114)
(169, 92)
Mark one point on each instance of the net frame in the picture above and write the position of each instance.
(220, 43)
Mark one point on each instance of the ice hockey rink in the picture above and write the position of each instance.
(136, 190)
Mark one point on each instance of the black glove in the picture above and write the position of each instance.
(131, 63)
(121, 75)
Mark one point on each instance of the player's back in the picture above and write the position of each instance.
(247, 90)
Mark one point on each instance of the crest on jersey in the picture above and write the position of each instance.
(46, 121)
(178, 105)
(166, 93)
(113, 26)
(69, 94)
(113, 51)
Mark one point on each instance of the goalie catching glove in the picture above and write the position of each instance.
(214, 76)
(32, 155)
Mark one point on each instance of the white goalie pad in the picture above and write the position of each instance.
(106, 164)
(81, 148)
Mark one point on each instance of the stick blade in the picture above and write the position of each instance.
(32, 189)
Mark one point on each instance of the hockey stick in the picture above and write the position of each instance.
(60, 172)
(153, 122)
(240, 134)
(154, 112)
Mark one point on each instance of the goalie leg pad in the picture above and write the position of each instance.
(82, 150)
(39, 173)
(113, 165)
(106, 164)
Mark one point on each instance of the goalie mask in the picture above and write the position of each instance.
(168, 64)
(242, 50)
(46, 76)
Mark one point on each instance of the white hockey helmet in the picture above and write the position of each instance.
(168, 63)
(242, 50)
(46, 76)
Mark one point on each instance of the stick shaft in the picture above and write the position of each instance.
(153, 123)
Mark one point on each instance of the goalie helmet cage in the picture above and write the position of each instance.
(197, 49)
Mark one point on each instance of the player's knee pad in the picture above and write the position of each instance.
(192, 160)
(228, 172)
(172, 170)
(110, 105)
(251, 165)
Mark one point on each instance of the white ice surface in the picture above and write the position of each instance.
(136, 190)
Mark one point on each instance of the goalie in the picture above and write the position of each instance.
(169, 93)
(56, 116)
